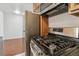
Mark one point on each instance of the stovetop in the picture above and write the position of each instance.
(55, 45)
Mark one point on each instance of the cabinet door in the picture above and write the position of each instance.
(36, 7)
(73, 8)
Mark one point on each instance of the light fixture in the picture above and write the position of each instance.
(17, 11)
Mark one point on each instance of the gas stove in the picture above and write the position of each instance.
(55, 45)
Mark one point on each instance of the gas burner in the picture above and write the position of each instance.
(55, 45)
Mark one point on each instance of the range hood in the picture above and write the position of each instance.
(53, 8)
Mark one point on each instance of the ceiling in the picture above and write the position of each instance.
(11, 7)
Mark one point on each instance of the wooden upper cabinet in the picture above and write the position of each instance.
(43, 26)
(36, 7)
(43, 21)
(73, 8)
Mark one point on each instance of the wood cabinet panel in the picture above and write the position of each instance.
(43, 25)
(73, 8)
(36, 7)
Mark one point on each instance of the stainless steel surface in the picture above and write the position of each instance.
(44, 6)
(52, 47)
(35, 49)
(47, 7)
(31, 28)
(56, 45)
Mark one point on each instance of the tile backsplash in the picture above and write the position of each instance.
(67, 31)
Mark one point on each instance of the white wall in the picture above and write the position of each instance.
(1, 24)
(13, 23)
(1, 33)
(64, 20)
(13, 26)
